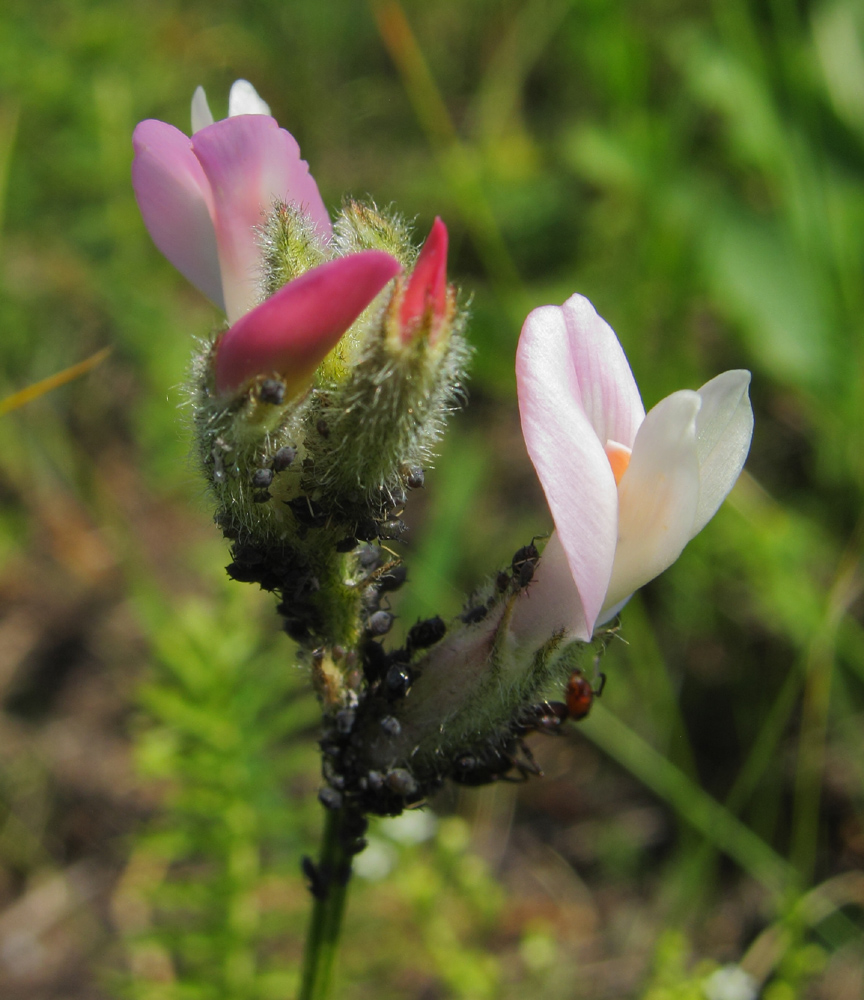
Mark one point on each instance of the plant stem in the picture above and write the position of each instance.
(330, 891)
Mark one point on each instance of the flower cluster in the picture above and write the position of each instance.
(317, 406)
(320, 402)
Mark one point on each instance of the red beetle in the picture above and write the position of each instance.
(580, 695)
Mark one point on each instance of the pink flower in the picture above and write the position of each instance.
(203, 200)
(626, 491)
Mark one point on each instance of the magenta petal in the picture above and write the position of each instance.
(567, 454)
(427, 286)
(607, 389)
(292, 332)
(250, 162)
(176, 204)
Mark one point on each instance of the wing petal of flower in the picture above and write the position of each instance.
(658, 495)
(724, 429)
(177, 204)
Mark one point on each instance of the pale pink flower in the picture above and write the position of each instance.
(626, 491)
(204, 199)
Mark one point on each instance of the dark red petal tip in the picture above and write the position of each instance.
(427, 286)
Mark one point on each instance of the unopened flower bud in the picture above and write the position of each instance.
(426, 301)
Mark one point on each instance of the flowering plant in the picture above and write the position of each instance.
(316, 409)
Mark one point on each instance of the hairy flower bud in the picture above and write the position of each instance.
(425, 303)
(315, 409)
(387, 412)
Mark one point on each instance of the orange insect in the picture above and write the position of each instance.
(580, 694)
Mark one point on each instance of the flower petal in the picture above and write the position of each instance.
(250, 162)
(177, 204)
(724, 429)
(610, 611)
(607, 390)
(292, 331)
(243, 99)
(551, 603)
(567, 454)
(658, 495)
(426, 291)
(202, 116)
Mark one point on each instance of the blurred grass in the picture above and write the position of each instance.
(698, 171)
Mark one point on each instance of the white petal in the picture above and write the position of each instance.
(608, 613)
(657, 496)
(724, 428)
(202, 116)
(244, 100)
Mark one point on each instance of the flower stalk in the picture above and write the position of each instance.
(328, 883)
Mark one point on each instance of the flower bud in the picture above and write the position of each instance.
(425, 302)
(316, 372)
(406, 373)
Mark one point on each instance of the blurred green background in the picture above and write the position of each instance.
(696, 169)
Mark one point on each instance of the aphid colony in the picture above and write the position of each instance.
(388, 677)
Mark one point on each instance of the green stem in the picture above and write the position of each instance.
(325, 924)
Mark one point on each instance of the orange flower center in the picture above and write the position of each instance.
(619, 458)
